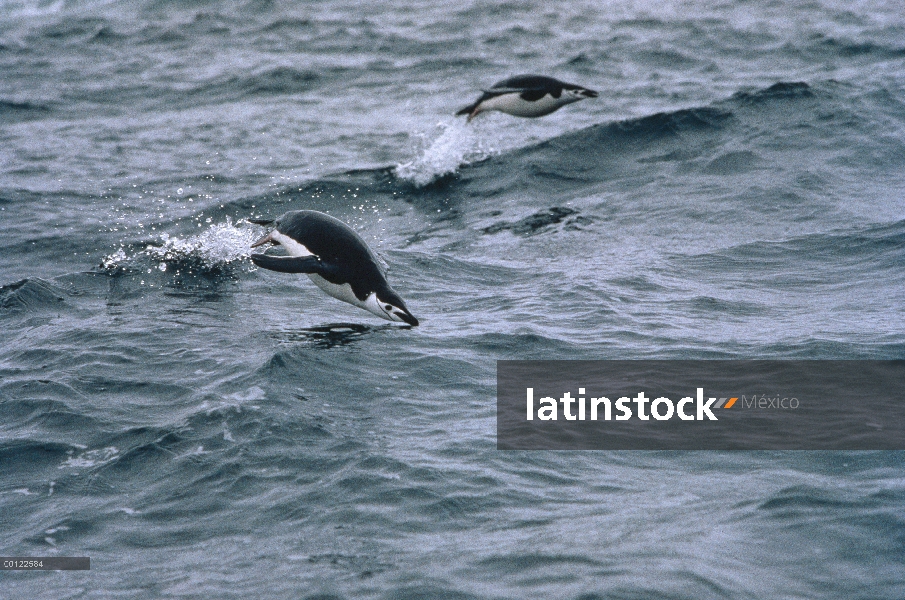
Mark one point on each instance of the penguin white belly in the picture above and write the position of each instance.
(344, 292)
(514, 105)
(293, 248)
(339, 291)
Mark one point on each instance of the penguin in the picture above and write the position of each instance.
(335, 258)
(527, 96)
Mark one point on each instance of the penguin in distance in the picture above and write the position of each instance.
(528, 96)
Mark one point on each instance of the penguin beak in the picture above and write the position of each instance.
(264, 240)
(589, 93)
(408, 318)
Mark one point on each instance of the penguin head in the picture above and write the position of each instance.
(579, 93)
(387, 304)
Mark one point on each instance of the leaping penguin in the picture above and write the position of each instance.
(335, 258)
(527, 96)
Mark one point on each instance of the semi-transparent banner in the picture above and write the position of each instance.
(701, 405)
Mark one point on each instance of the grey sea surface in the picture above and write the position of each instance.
(204, 429)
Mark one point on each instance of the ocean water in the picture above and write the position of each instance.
(204, 429)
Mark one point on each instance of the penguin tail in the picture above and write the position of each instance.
(469, 110)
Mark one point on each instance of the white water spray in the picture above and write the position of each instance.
(453, 144)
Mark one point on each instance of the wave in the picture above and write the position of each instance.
(538, 182)
(454, 159)
(537, 222)
(269, 82)
(835, 46)
(879, 247)
(12, 111)
(778, 91)
(31, 295)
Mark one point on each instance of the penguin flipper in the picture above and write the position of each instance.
(289, 264)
